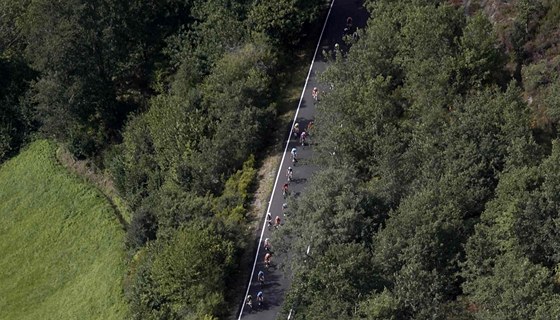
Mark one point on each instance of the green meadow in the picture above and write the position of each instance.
(61, 247)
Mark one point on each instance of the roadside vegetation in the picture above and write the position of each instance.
(175, 101)
(437, 196)
(61, 246)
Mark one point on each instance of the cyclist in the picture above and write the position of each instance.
(277, 222)
(267, 258)
(349, 26)
(296, 130)
(249, 301)
(303, 137)
(269, 220)
(294, 155)
(285, 190)
(261, 278)
(260, 298)
(267, 245)
(315, 94)
(309, 127)
(290, 174)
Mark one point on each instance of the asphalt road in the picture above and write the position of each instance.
(276, 284)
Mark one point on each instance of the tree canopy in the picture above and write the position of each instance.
(437, 181)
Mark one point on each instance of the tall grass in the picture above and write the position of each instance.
(61, 247)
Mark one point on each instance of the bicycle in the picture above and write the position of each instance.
(294, 156)
(249, 302)
(267, 246)
(285, 191)
(260, 299)
(267, 258)
(261, 278)
(277, 222)
(290, 174)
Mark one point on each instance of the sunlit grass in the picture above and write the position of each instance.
(61, 247)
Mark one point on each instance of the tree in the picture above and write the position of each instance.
(381, 306)
(427, 56)
(74, 96)
(521, 219)
(15, 117)
(514, 289)
(136, 167)
(481, 61)
(336, 217)
(285, 25)
(342, 273)
(237, 109)
(181, 271)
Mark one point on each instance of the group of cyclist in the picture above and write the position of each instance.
(277, 220)
(350, 29)
(260, 300)
(303, 136)
(275, 224)
(261, 276)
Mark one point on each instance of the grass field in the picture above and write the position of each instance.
(61, 247)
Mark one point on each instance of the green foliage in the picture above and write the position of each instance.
(15, 118)
(284, 26)
(11, 40)
(521, 219)
(333, 220)
(94, 60)
(182, 276)
(514, 289)
(382, 306)
(237, 100)
(507, 257)
(136, 168)
(552, 100)
(186, 87)
(427, 58)
(185, 233)
(190, 271)
(419, 250)
(221, 29)
(61, 249)
(74, 95)
(237, 190)
(341, 273)
(341, 211)
(481, 61)
(437, 143)
(197, 138)
(142, 228)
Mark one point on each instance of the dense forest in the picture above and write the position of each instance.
(438, 195)
(439, 190)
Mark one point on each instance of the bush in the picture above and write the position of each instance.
(183, 277)
(142, 228)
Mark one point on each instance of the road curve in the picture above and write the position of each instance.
(276, 284)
